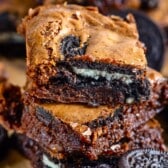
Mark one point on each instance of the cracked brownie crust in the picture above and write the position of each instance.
(66, 50)
(139, 139)
(57, 23)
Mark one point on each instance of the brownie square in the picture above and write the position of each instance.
(77, 55)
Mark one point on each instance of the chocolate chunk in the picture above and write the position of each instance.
(151, 35)
(144, 158)
(70, 46)
(149, 4)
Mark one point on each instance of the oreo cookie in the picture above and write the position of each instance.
(151, 35)
(148, 158)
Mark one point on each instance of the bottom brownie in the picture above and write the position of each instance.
(63, 135)
(146, 136)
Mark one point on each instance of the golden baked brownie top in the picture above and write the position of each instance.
(76, 113)
(59, 32)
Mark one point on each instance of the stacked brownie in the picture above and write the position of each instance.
(89, 93)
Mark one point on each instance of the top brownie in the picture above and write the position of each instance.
(75, 54)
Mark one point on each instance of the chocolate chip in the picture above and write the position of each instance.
(144, 158)
(70, 46)
(151, 35)
(149, 4)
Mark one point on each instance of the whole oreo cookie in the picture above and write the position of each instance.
(151, 35)
(144, 158)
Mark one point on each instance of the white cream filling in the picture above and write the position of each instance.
(130, 100)
(49, 163)
(115, 147)
(96, 74)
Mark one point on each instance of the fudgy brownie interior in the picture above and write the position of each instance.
(96, 83)
(81, 74)
(69, 87)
